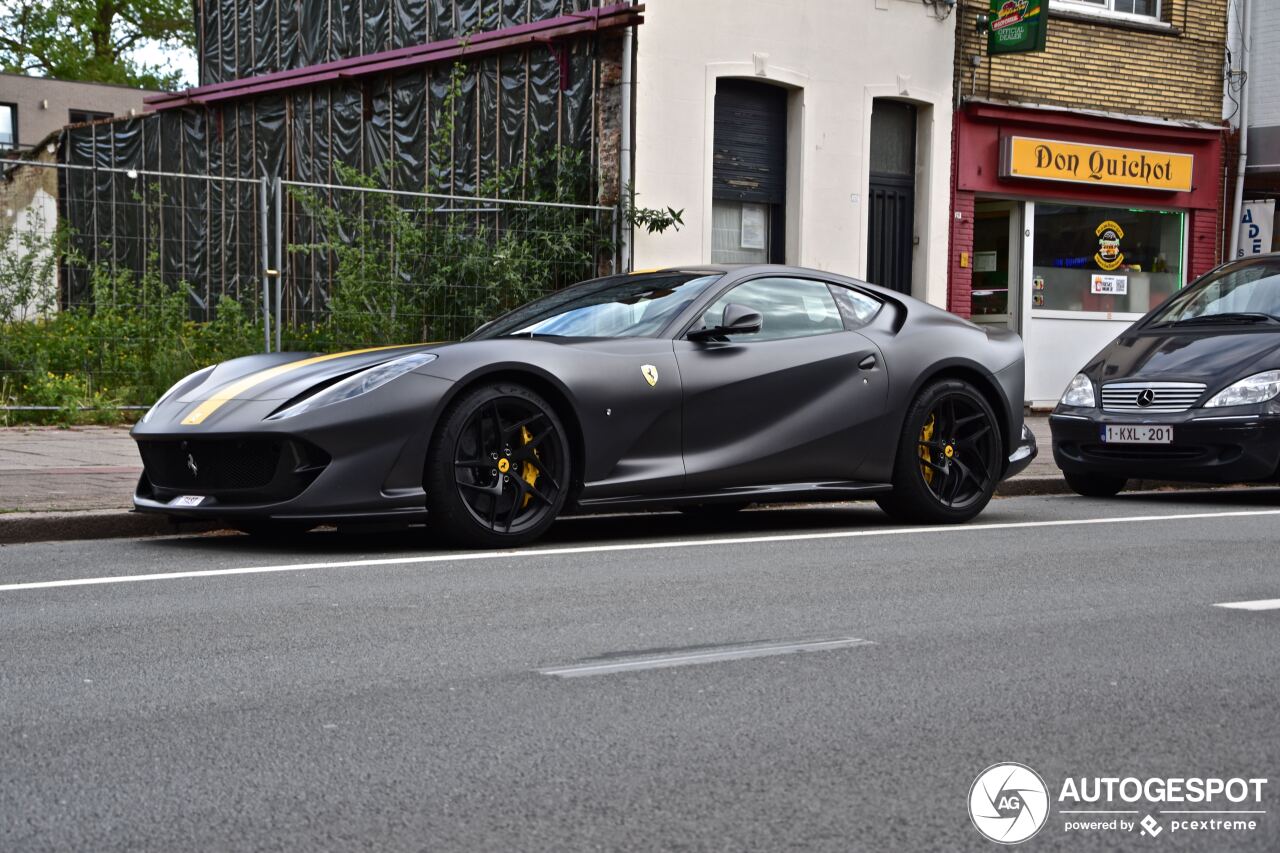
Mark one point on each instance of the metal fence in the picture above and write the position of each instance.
(115, 282)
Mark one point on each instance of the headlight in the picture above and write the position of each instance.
(360, 383)
(184, 382)
(1080, 392)
(1258, 388)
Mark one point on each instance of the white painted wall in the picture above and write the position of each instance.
(836, 56)
(32, 228)
(1264, 63)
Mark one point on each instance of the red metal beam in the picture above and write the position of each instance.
(480, 44)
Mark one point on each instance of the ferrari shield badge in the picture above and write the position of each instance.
(650, 373)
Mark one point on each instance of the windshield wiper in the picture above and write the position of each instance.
(529, 335)
(1227, 317)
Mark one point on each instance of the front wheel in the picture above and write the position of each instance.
(498, 471)
(949, 457)
(1094, 485)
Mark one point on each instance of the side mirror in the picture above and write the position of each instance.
(736, 320)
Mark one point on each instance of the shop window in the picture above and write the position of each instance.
(1147, 9)
(8, 126)
(1117, 260)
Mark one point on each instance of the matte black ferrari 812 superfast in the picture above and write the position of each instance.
(704, 388)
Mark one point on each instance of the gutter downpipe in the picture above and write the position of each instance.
(625, 149)
(1237, 205)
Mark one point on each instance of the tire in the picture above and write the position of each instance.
(498, 470)
(949, 459)
(1094, 485)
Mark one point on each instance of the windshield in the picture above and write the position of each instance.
(1242, 290)
(620, 306)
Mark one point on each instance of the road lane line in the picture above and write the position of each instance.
(715, 655)
(528, 553)
(1261, 604)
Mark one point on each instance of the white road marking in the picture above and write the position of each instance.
(1261, 604)
(714, 655)
(530, 553)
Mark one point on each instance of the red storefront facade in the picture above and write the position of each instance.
(1069, 259)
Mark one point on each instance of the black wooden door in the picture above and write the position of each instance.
(891, 232)
(891, 214)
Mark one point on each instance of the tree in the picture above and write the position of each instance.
(94, 40)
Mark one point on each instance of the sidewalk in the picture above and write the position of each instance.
(77, 483)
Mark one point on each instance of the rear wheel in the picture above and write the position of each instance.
(498, 470)
(949, 456)
(1094, 485)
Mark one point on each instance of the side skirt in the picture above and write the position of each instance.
(776, 493)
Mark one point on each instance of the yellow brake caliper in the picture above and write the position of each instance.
(530, 472)
(926, 434)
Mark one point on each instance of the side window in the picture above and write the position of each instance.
(856, 307)
(791, 308)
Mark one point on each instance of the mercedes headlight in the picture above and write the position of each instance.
(189, 381)
(1258, 388)
(357, 384)
(1080, 392)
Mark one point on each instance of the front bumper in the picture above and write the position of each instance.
(358, 460)
(1023, 454)
(1234, 445)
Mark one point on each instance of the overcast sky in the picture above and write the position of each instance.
(179, 59)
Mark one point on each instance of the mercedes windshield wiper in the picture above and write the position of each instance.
(1226, 317)
(529, 335)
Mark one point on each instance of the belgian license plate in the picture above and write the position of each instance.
(187, 500)
(1143, 434)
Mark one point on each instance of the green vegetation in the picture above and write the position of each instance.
(401, 268)
(93, 40)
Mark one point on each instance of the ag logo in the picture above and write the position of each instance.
(650, 373)
(1008, 803)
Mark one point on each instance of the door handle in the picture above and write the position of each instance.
(867, 363)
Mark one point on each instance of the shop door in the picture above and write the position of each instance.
(996, 264)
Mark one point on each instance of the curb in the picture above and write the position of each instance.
(21, 527)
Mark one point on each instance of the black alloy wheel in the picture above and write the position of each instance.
(499, 469)
(949, 456)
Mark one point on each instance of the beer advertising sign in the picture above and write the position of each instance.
(1017, 26)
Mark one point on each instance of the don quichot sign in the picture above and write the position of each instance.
(1103, 165)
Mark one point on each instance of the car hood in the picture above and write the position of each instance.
(1214, 358)
(285, 375)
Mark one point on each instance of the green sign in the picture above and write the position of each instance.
(1017, 26)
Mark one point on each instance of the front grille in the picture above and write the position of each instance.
(1144, 452)
(1157, 396)
(211, 466)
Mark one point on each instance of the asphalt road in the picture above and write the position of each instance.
(400, 705)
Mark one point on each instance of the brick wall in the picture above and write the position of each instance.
(1106, 64)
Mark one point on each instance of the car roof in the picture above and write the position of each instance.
(738, 268)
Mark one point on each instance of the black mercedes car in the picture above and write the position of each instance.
(705, 388)
(1189, 392)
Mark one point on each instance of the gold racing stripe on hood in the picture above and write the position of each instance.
(230, 392)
